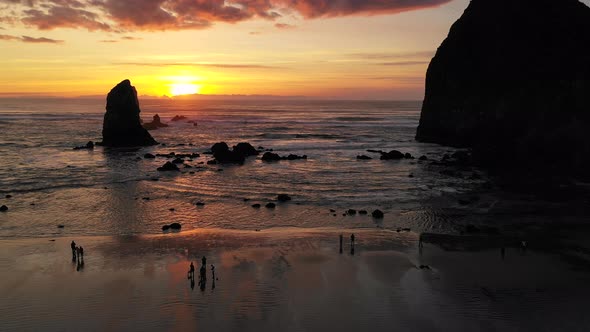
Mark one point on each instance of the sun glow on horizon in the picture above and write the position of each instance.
(179, 89)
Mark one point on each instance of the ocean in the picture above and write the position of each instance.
(118, 192)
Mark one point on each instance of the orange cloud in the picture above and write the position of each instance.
(28, 39)
(131, 15)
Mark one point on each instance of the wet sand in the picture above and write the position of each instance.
(285, 279)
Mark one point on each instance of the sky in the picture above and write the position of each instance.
(357, 49)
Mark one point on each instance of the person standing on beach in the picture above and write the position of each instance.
(352, 244)
(191, 271)
(341, 240)
(73, 246)
(81, 253)
(204, 261)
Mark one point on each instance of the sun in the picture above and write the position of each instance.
(178, 89)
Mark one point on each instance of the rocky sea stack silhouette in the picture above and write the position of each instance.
(121, 126)
(512, 82)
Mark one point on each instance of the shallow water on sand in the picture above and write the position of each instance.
(105, 192)
(284, 279)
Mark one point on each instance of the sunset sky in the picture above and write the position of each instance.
(321, 48)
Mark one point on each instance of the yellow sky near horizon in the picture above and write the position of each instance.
(370, 56)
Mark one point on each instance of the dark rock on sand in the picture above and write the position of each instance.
(88, 146)
(377, 214)
(224, 155)
(363, 212)
(270, 205)
(363, 157)
(3, 208)
(514, 89)
(423, 158)
(175, 226)
(121, 126)
(271, 156)
(178, 161)
(155, 124)
(149, 156)
(165, 227)
(283, 198)
(200, 204)
(245, 149)
(61, 226)
(392, 155)
(256, 206)
(351, 212)
(8, 196)
(168, 166)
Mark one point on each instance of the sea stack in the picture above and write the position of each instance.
(512, 82)
(121, 126)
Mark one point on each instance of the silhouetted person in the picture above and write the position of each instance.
(213, 271)
(204, 261)
(341, 240)
(73, 246)
(191, 271)
(81, 253)
(352, 239)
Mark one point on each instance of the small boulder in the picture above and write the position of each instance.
(256, 206)
(423, 158)
(408, 155)
(200, 204)
(168, 166)
(149, 156)
(270, 156)
(8, 196)
(245, 149)
(351, 212)
(270, 205)
(283, 198)
(88, 146)
(3, 208)
(392, 155)
(60, 226)
(378, 214)
(155, 124)
(175, 226)
(363, 157)
(165, 227)
(178, 161)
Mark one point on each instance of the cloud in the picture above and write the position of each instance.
(199, 64)
(384, 56)
(284, 26)
(135, 15)
(28, 39)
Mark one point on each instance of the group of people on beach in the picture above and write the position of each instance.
(202, 274)
(352, 238)
(77, 255)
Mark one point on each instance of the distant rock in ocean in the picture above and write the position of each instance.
(155, 124)
(121, 126)
(512, 82)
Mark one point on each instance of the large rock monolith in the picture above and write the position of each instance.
(121, 126)
(512, 82)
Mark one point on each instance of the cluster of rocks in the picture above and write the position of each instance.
(170, 155)
(155, 124)
(3, 208)
(280, 198)
(174, 226)
(377, 214)
(88, 146)
(271, 156)
(391, 155)
(237, 155)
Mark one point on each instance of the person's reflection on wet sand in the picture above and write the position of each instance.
(352, 244)
(203, 277)
(341, 240)
(193, 283)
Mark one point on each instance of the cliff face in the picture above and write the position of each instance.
(512, 81)
(121, 126)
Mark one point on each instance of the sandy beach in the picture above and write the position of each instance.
(285, 279)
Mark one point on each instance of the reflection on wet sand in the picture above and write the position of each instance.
(289, 279)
